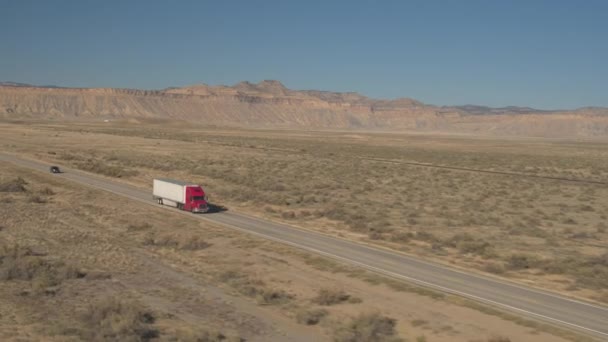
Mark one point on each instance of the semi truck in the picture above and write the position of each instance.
(182, 195)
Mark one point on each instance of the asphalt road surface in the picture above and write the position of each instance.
(585, 317)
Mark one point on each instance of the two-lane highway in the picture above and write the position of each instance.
(577, 315)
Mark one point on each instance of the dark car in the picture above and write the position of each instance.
(55, 169)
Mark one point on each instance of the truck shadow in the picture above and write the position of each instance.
(216, 208)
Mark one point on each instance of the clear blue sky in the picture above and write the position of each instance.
(546, 54)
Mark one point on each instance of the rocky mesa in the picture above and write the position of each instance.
(269, 104)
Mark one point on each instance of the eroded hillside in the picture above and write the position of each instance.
(269, 104)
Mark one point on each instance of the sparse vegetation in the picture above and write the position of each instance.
(499, 339)
(200, 335)
(369, 327)
(419, 322)
(106, 169)
(331, 297)
(21, 263)
(47, 191)
(476, 220)
(494, 267)
(254, 288)
(179, 240)
(115, 320)
(37, 199)
(311, 317)
(139, 226)
(403, 189)
(15, 185)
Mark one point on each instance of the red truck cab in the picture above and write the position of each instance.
(196, 200)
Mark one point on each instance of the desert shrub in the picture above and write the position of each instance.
(419, 322)
(47, 191)
(375, 235)
(98, 275)
(194, 243)
(370, 327)
(20, 263)
(37, 199)
(582, 235)
(305, 213)
(523, 229)
(139, 226)
(107, 170)
(275, 187)
(499, 339)
(117, 320)
(426, 236)
(270, 210)
(479, 247)
(15, 185)
(254, 288)
(184, 241)
(69, 156)
(331, 297)
(401, 237)
(569, 220)
(591, 271)
(199, 335)
(494, 267)
(521, 261)
(336, 213)
(288, 215)
(164, 240)
(358, 224)
(272, 296)
(230, 276)
(311, 317)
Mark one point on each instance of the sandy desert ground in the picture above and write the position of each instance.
(531, 210)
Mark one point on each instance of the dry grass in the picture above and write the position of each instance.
(107, 232)
(254, 288)
(180, 240)
(498, 339)
(21, 263)
(14, 185)
(139, 226)
(419, 322)
(116, 320)
(331, 297)
(369, 190)
(200, 335)
(369, 327)
(311, 316)
(103, 168)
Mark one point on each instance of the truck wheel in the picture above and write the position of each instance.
(160, 201)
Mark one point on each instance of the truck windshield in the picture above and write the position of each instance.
(198, 198)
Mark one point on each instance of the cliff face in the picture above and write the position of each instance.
(269, 104)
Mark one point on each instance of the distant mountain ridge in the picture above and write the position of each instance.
(269, 104)
(17, 84)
